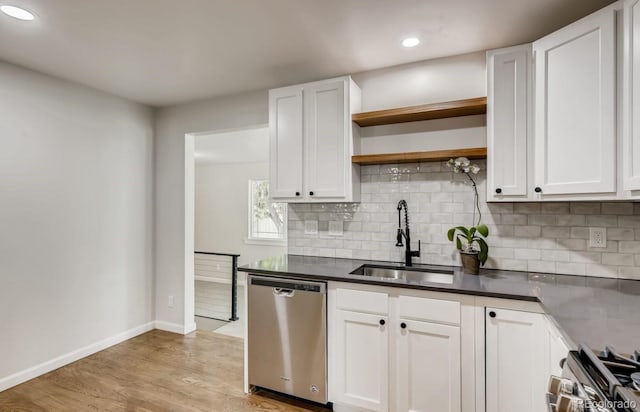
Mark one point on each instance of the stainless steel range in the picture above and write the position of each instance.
(596, 382)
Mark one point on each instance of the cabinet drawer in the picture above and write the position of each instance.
(430, 310)
(362, 301)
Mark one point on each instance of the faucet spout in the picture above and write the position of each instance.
(406, 234)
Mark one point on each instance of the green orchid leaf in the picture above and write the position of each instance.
(463, 230)
(458, 243)
(483, 230)
(484, 251)
(450, 234)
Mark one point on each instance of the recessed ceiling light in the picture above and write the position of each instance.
(410, 42)
(17, 12)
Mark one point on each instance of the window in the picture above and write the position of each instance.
(267, 220)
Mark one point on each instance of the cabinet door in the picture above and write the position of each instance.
(362, 364)
(428, 367)
(556, 350)
(515, 367)
(508, 108)
(631, 96)
(575, 93)
(326, 131)
(285, 139)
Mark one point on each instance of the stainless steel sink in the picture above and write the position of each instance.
(406, 274)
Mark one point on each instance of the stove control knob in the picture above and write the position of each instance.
(559, 386)
(570, 403)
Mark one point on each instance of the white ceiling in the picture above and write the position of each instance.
(238, 146)
(163, 52)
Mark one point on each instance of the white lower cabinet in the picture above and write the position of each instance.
(404, 355)
(516, 372)
(362, 360)
(556, 349)
(428, 367)
(397, 350)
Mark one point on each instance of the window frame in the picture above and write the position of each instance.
(257, 240)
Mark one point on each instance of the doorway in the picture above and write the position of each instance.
(235, 222)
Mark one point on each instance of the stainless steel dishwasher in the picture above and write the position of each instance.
(287, 336)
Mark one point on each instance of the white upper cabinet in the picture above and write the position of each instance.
(326, 132)
(312, 142)
(631, 95)
(285, 131)
(575, 108)
(508, 128)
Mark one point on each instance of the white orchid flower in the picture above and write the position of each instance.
(474, 169)
(462, 161)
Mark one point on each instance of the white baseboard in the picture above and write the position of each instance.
(170, 327)
(48, 366)
(190, 328)
(175, 327)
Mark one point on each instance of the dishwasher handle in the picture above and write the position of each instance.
(283, 286)
(286, 293)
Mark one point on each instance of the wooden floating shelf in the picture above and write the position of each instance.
(457, 108)
(416, 157)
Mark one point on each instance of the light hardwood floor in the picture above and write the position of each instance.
(157, 371)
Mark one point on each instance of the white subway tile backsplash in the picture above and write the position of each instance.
(571, 220)
(527, 254)
(617, 208)
(555, 208)
(620, 233)
(527, 231)
(630, 272)
(629, 247)
(535, 237)
(572, 244)
(571, 268)
(581, 208)
(601, 270)
(542, 220)
(618, 259)
(586, 257)
(556, 232)
(602, 221)
(541, 266)
(580, 233)
(511, 219)
(629, 221)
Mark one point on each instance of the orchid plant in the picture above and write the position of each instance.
(467, 238)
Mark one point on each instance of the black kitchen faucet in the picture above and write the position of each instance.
(408, 253)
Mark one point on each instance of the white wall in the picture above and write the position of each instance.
(430, 81)
(76, 182)
(222, 207)
(451, 78)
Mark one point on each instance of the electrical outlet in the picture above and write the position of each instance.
(597, 237)
(310, 227)
(336, 228)
(170, 303)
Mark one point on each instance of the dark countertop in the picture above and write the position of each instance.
(589, 310)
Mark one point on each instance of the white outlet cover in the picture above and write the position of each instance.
(336, 228)
(310, 227)
(598, 237)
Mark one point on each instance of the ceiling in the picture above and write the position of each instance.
(162, 52)
(238, 146)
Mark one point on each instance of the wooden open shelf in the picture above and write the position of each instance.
(457, 108)
(416, 157)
